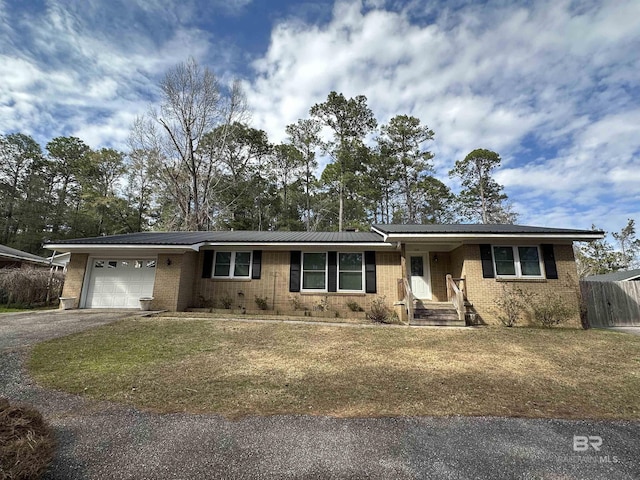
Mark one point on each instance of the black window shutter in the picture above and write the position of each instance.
(333, 271)
(257, 264)
(549, 259)
(370, 271)
(487, 261)
(294, 271)
(207, 264)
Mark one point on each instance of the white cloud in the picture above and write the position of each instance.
(550, 85)
(86, 69)
(555, 73)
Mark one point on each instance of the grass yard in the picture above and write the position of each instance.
(11, 310)
(237, 369)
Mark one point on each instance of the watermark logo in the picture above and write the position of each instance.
(582, 443)
(590, 448)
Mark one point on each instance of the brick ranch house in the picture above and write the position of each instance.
(416, 268)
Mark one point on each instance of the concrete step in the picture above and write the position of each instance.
(428, 322)
(436, 314)
(428, 305)
(429, 313)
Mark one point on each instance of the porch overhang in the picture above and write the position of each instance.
(461, 234)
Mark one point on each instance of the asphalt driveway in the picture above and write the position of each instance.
(103, 441)
(629, 330)
(26, 328)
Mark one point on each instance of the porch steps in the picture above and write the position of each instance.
(436, 314)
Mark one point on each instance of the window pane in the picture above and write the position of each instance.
(504, 261)
(99, 264)
(314, 261)
(313, 271)
(350, 281)
(151, 264)
(223, 264)
(529, 261)
(241, 268)
(417, 267)
(351, 262)
(112, 264)
(313, 280)
(138, 264)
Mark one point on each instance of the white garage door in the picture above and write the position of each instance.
(119, 283)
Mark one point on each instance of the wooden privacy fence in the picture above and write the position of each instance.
(612, 304)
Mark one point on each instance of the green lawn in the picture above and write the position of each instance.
(10, 310)
(237, 369)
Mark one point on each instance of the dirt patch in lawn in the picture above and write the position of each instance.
(239, 368)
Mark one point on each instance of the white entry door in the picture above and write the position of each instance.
(420, 276)
(119, 283)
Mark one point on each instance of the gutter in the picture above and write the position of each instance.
(77, 247)
(476, 236)
(380, 232)
(67, 247)
(44, 261)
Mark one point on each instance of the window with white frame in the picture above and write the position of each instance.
(232, 265)
(522, 261)
(347, 274)
(350, 272)
(314, 271)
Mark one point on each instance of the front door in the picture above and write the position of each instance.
(420, 276)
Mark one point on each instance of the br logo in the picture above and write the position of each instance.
(582, 443)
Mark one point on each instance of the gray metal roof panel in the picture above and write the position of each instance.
(614, 276)
(477, 228)
(192, 238)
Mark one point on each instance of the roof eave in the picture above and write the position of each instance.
(84, 247)
(405, 237)
(299, 244)
(80, 247)
(44, 261)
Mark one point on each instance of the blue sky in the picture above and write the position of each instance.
(553, 86)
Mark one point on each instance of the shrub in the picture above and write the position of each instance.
(380, 312)
(30, 286)
(226, 301)
(205, 302)
(261, 302)
(354, 307)
(27, 443)
(510, 305)
(323, 305)
(296, 303)
(550, 310)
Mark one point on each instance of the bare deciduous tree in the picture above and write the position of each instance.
(193, 104)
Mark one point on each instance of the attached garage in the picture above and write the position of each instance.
(119, 282)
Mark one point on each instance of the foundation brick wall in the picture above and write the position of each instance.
(275, 278)
(483, 292)
(75, 276)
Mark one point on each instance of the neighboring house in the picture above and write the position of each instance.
(409, 265)
(621, 276)
(13, 258)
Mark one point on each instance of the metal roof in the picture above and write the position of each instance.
(377, 236)
(479, 228)
(614, 276)
(193, 238)
(15, 254)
